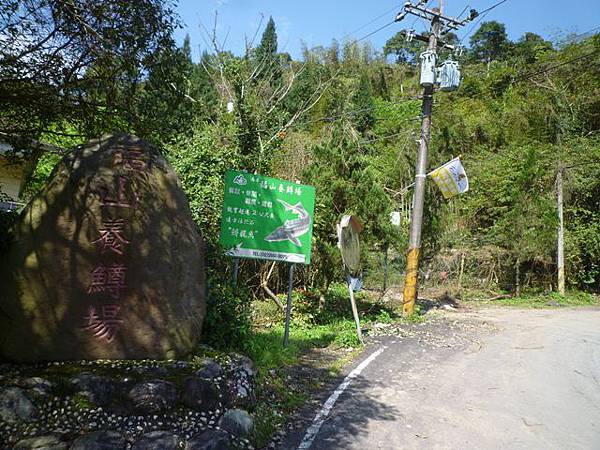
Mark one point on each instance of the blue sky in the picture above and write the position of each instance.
(318, 22)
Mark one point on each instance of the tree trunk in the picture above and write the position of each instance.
(561, 233)
(460, 274)
(518, 278)
(265, 287)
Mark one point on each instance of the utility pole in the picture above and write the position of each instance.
(560, 253)
(439, 23)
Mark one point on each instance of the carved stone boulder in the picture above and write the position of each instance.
(106, 262)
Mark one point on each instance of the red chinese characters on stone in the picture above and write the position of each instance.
(111, 236)
(105, 325)
(109, 279)
(120, 200)
(132, 160)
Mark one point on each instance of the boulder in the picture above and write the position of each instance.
(239, 389)
(98, 389)
(106, 261)
(100, 440)
(210, 440)
(15, 406)
(238, 422)
(210, 369)
(157, 440)
(200, 394)
(50, 442)
(153, 396)
(242, 362)
(38, 385)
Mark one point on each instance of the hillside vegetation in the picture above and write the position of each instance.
(345, 118)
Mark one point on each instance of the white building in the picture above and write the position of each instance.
(13, 171)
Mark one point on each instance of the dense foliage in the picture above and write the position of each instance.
(345, 119)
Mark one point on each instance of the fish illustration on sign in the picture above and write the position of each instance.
(291, 230)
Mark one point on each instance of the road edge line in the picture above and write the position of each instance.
(312, 431)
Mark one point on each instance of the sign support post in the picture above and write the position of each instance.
(288, 309)
(355, 313)
(349, 245)
(236, 268)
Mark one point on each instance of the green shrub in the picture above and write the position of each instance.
(228, 321)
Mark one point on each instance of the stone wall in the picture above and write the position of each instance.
(128, 404)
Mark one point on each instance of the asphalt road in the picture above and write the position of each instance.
(532, 383)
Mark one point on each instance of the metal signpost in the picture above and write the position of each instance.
(348, 242)
(268, 218)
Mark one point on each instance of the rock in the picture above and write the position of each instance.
(157, 440)
(240, 382)
(96, 388)
(50, 442)
(180, 365)
(200, 394)
(106, 262)
(238, 422)
(210, 369)
(210, 440)
(100, 440)
(153, 396)
(38, 385)
(15, 406)
(244, 363)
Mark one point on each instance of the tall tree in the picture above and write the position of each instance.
(166, 107)
(76, 62)
(405, 52)
(363, 105)
(490, 42)
(266, 52)
(531, 46)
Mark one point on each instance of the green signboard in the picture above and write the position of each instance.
(267, 218)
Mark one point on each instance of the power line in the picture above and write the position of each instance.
(471, 28)
(482, 15)
(485, 11)
(412, 26)
(376, 31)
(333, 118)
(574, 39)
(530, 75)
(463, 11)
(412, 119)
(370, 22)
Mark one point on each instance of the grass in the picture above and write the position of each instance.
(551, 300)
(282, 389)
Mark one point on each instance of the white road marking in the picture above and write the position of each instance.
(311, 433)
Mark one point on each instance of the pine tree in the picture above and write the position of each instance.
(363, 104)
(266, 52)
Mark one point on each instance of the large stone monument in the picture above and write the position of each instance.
(106, 261)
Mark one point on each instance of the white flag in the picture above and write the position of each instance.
(451, 178)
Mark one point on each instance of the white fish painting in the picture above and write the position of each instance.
(291, 230)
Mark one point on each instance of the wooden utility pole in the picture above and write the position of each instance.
(439, 23)
(560, 251)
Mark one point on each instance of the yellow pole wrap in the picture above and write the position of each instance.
(410, 282)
